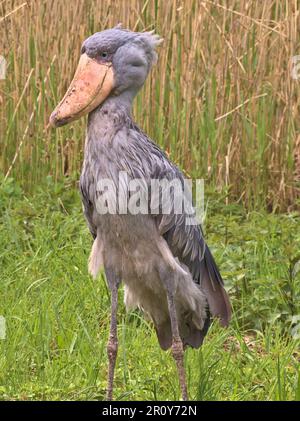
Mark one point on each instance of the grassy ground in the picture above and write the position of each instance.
(221, 100)
(58, 317)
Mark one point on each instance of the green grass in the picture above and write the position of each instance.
(58, 317)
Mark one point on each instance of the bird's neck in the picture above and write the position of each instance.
(106, 120)
(123, 102)
(113, 110)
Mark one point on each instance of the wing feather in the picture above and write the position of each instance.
(187, 241)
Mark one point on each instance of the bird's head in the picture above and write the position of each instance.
(111, 62)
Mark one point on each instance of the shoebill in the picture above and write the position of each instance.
(166, 267)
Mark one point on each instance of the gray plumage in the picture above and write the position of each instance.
(163, 262)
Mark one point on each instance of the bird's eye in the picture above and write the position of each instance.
(104, 54)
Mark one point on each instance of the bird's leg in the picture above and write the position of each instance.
(177, 346)
(112, 345)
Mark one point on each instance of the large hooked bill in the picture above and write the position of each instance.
(91, 85)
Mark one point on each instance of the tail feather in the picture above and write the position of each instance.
(218, 305)
(212, 285)
(192, 315)
(190, 334)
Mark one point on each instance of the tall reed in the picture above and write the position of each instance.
(221, 100)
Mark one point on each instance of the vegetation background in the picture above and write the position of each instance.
(222, 101)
